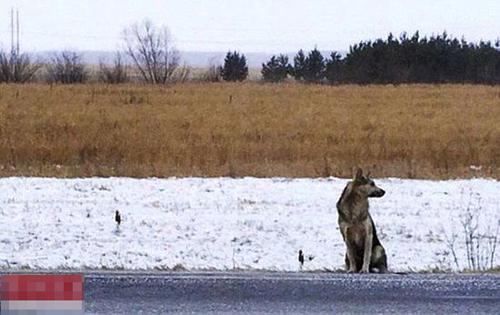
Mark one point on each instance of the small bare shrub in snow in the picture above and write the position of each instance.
(480, 235)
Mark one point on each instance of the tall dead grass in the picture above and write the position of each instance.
(292, 130)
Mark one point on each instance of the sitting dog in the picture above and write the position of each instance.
(364, 251)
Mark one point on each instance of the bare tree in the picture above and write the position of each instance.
(152, 51)
(212, 74)
(118, 73)
(181, 74)
(67, 67)
(17, 68)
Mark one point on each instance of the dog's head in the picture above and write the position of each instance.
(366, 186)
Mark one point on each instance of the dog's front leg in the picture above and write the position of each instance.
(368, 247)
(351, 258)
(349, 242)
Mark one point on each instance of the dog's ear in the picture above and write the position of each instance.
(368, 175)
(359, 174)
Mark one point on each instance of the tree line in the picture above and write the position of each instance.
(436, 59)
(415, 59)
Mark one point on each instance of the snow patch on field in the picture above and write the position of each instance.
(224, 224)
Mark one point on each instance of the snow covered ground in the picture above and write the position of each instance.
(223, 223)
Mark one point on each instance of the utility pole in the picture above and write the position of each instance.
(17, 11)
(12, 30)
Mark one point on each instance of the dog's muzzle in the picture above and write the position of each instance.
(378, 193)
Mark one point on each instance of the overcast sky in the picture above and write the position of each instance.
(247, 25)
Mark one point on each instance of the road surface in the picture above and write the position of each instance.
(289, 293)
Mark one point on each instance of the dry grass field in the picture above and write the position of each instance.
(249, 129)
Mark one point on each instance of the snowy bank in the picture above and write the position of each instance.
(223, 223)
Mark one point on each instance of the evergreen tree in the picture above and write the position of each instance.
(315, 67)
(276, 69)
(334, 70)
(235, 67)
(299, 66)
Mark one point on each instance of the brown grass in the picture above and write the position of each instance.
(292, 130)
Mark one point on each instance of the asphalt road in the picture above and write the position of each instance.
(289, 293)
(248, 293)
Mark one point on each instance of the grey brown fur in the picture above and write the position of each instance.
(364, 253)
